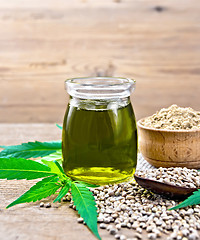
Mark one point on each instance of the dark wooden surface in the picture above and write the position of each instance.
(44, 42)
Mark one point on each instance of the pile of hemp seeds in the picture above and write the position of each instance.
(177, 176)
(127, 205)
(146, 215)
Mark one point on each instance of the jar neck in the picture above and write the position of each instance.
(100, 87)
(99, 104)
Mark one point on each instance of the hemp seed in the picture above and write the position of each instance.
(42, 204)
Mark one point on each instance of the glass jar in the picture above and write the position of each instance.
(99, 138)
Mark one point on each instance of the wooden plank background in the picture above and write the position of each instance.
(44, 42)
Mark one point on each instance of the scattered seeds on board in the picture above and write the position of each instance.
(117, 236)
(113, 231)
(145, 212)
(103, 226)
(42, 204)
(48, 205)
(123, 237)
(138, 236)
(80, 220)
(152, 236)
(133, 207)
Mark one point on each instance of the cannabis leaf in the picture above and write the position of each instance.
(40, 190)
(191, 200)
(14, 164)
(55, 168)
(19, 168)
(87, 184)
(63, 191)
(85, 204)
(31, 149)
(54, 156)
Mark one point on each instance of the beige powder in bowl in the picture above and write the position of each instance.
(174, 118)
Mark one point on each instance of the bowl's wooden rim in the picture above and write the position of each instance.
(165, 130)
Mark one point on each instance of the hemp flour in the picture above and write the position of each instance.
(174, 118)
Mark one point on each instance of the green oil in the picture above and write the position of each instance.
(99, 144)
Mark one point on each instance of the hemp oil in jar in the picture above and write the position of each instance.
(99, 139)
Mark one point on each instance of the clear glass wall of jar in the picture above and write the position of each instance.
(99, 139)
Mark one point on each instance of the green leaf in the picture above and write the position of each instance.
(54, 156)
(87, 184)
(58, 126)
(61, 169)
(63, 192)
(31, 149)
(56, 168)
(40, 190)
(85, 204)
(19, 168)
(191, 200)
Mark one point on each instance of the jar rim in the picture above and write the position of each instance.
(91, 80)
(100, 87)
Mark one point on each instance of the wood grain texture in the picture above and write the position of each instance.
(43, 43)
(167, 148)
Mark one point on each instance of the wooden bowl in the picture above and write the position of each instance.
(169, 148)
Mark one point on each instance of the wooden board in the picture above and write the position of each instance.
(44, 42)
